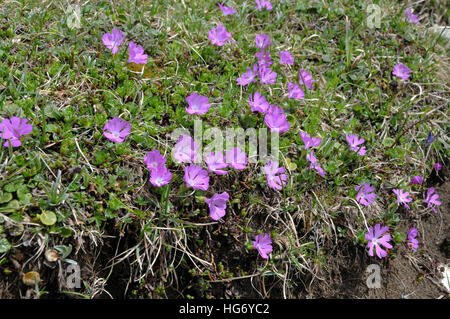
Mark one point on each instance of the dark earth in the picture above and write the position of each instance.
(344, 275)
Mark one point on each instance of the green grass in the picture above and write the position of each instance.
(68, 84)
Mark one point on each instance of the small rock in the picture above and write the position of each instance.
(30, 278)
(51, 255)
(441, 29)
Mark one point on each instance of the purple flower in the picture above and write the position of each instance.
(432, 199)
(217, 205)
(196, 177)
(414, 18)
(219, 36)
(116, 130)
(412, 233)
(275, 175)
(258, 103)
(12, 129)
(154, 159)
(263, 244)
(198, 104)
(413, 243)
(236, 158)
(417, 180)
(402, 197)
(306, 79)
(185, 150)
(136, 54)
(266, 75)
(286, 57)
(310, 157)
(216, 163)
(365, 195)
(227, 10)
(437, 166)
(248, 77)
(430, 138)
(263, 4)
(113, 40)
(160, 176)
(295, 92)
(264, 59)
(262, 41)
(375, 240)
(276, 119)
(354, 142)
(310, 141)
(401, 71)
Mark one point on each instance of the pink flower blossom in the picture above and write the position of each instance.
(185, 150)
(263, 244)
(263, 4)
(113, 40)
(198, 104)
(375, 238)
(216, 163)
(286, 57)
(12, 129)
(266, 75)
(413, 243)
(310, 157)
(264, 59)
(306, 79)
(227, 10)
(402, 197)
(116, 130)
(275, 175)
(154, 159)
(219, 36)
(414, 18)
(401, 71)
(354, 142)
(262, 41)
(196, 177)
(236, 158)
(248, 77)
(295, 92)
(276, 119)
(310, 141)
(417, 180)
(365, 195)
(136, 54)
(437, 166)
(160, 176)
(432, 199)
(217, 205)
(258, 103)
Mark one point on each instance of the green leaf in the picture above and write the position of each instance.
(114, 203)
(64, 250)
(101, 157)
(48, 218)
(24, 194)
(398, 237)
(14, 185)
(4, 245)
(388, 142)
(5, 197)
(11, 207)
